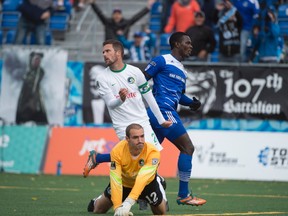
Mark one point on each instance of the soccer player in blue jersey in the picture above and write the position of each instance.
(169, 77)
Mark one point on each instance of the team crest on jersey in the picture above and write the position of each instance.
(154, 161)
(153, 63)
(113, 165)
(141, 162)
(131, 80)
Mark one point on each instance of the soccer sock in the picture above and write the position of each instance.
(184, 172)
(100, 158)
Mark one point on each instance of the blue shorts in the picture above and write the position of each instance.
(175, 131)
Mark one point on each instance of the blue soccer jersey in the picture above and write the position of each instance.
(169, 77)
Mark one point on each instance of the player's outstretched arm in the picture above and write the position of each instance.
(124, 209)
(148, 96)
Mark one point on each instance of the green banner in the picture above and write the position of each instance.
(22, 148)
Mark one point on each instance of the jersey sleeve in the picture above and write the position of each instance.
(146, 174)
(142, 83)
(106, 93)
(155, 66)
(146, 92)
(116, 179)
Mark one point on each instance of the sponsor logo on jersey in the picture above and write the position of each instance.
(141, 162)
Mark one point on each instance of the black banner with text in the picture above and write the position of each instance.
(227, 92)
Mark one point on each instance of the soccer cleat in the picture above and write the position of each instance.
(91, 163)
(90, 207)
(191, 200)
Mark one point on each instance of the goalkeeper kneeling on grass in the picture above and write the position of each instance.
(133, 176)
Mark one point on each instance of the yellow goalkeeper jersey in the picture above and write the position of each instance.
(132, 172)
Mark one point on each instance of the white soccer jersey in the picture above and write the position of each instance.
(133, 109)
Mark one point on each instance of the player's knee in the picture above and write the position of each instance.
(96, 207)
(188, 149)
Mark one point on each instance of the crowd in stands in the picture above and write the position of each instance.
(231, 30)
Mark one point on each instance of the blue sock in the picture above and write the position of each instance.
(100, 158)
(184, 172)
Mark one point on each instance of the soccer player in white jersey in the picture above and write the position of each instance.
(122, 87)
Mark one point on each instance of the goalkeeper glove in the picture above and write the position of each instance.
(195, 104)
(124, 209)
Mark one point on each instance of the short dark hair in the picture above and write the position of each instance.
(132, 126)
(176, 37)
(117, 45)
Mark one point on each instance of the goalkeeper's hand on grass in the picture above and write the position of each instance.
(124, 209)
(195, 104)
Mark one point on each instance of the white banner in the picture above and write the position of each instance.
(33, 84)
(240, 155)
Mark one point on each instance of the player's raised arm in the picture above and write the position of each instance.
(146, 92)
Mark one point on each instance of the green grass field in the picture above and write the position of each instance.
(69, 195)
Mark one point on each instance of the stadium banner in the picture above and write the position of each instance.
(22, 148)
(71, 145)
(226, 92)
(73, 92)
(0, 75)
(238, 125)
(240, 155)
(94, 108)
(234, 92)
(33, 85)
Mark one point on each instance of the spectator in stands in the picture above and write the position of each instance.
(117, 21)
(229, 22)
(208, 7)
(34, 17)
(265, 44)
(202, 38)
(166, 9)
(140, 49)
(249, 11)
(182, 15)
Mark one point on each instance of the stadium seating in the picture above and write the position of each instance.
(155, 17)
(283, 19)
(214, 56)
(164, 47)
(59, 24)
(9, 20)
(11, 5)
(283, 11)
(10, 36)
(67, 6)
(1, 38)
